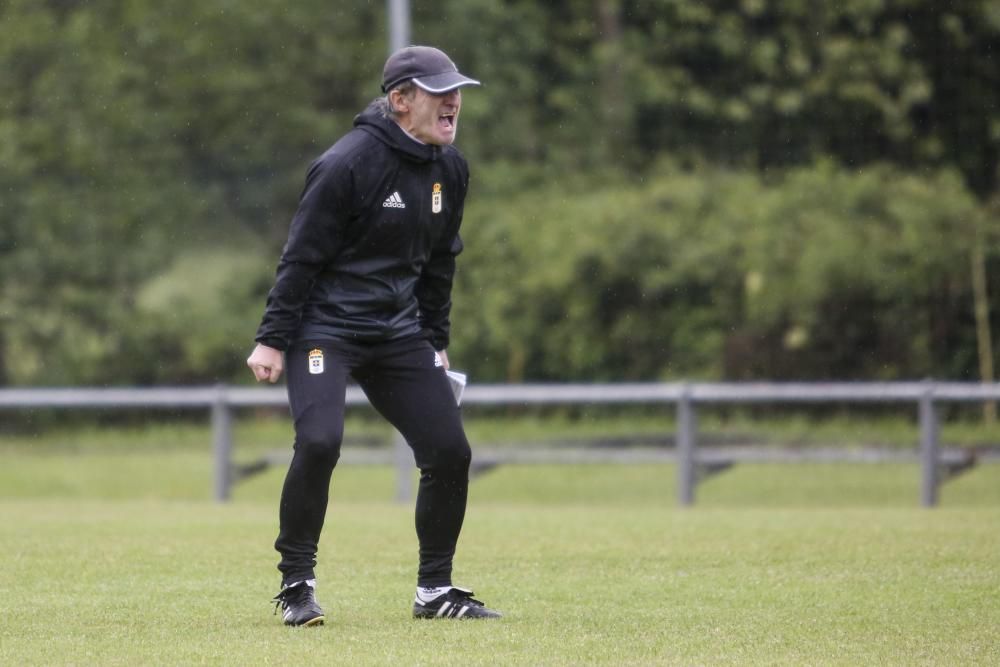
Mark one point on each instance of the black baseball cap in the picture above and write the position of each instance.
(428, 67)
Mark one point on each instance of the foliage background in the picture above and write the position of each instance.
(661, 188)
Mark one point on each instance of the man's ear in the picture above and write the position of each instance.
(399, 102)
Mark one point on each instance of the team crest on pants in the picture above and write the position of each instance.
(316, 361)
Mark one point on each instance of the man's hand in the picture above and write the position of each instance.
(444, 359)
(266, 363)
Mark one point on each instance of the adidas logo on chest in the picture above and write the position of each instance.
(393, 201)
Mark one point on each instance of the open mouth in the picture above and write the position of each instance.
(447, 120)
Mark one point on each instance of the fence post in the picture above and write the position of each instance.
(222, 444)
(404, 468)
(686, 429)
(928, 448)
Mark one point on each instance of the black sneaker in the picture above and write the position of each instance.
(456, 603)
(298, 605)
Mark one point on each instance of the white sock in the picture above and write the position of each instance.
(425, 594)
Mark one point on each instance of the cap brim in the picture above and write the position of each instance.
(442, 83)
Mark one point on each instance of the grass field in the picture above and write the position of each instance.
(115, 557)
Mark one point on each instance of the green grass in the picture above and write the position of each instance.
(261, 430)
(144, 582)
(187, 475)
(115, 556)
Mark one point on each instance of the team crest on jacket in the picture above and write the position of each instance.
(436, 199)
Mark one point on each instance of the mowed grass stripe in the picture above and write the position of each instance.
(155, 582)
(187, 475)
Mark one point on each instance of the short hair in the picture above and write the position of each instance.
(406, 89)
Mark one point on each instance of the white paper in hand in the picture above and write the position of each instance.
(457, 381)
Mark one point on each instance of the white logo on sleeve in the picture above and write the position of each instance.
(393, 201)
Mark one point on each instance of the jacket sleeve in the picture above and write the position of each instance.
(433, 290)
(314, 239)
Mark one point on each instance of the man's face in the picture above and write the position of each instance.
(432, 119)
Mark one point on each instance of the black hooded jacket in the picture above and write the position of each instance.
(371, 250)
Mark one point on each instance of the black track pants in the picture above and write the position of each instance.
(403, 383)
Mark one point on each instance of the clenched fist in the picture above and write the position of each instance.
(266, 363)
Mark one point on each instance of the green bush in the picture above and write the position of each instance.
(197, 319)
(816, 273)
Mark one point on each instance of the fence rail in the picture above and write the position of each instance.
(684, 397)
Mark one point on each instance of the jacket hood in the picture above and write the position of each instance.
(375, 121)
